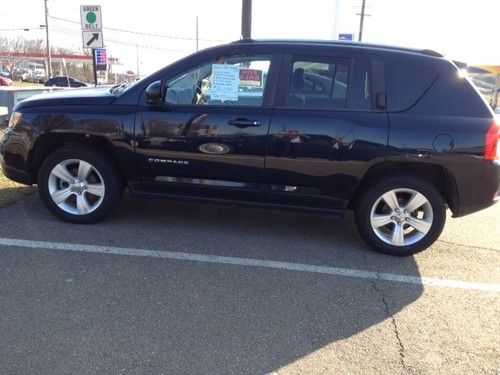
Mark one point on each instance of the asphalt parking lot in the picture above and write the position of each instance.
(180, 288)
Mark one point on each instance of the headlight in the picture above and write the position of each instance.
(15, 119)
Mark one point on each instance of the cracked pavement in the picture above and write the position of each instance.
(75, 312)
(395, 326)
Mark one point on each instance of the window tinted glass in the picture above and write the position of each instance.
(228, 81)
(319, 84)
(361, 90)
(406, 84)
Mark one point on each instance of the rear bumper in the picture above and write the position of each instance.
(471, 209)
(478, 189)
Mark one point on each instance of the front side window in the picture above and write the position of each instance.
(319, 84)
(225, 81)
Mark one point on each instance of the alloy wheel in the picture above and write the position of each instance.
(401, 217)
(76, 187)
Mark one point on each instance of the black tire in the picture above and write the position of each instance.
(371, 199)
(104, 172)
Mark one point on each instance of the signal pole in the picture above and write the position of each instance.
(49, 60)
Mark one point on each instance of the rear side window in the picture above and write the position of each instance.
(406, 84)
(319, 84)
(330, 84)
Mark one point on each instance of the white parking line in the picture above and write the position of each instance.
(248, 262)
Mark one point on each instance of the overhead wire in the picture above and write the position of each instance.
(143, 33)
(66, 31)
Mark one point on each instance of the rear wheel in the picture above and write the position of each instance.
(400, 215)
(79, 184)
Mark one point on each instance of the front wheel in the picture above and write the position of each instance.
(400, 215)
(79, 184)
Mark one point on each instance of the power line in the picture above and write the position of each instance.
(24, 29)
(141, 33)
(65, 31)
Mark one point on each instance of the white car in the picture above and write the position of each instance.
(35, 76)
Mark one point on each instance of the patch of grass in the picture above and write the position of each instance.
(11, 191)
(26, 84)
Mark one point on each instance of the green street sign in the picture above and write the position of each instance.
(90, 16)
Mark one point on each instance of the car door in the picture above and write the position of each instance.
(209, 137)
(329, 126)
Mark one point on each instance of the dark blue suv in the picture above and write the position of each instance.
(394, 134)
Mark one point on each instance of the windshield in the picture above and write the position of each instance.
(121, 87)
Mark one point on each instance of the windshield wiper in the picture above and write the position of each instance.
(116, 89)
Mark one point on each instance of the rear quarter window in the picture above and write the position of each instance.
(406, 84)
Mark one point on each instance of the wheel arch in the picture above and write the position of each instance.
(49, 142)
(435, 174)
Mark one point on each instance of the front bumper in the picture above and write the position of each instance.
(12, 173)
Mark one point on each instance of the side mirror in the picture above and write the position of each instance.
(154, 93)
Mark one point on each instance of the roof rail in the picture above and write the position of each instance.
(430, 52)
(427, 52)
(243, 41)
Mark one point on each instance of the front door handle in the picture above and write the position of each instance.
(243, 122)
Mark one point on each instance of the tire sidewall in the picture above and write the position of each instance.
(100, 162)
(374, 192)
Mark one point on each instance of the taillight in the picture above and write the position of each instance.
(491, 149)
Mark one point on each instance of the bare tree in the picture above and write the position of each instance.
(79, 69)
(10, 48)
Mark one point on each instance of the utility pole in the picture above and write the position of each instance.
(137, 56)
(246, 19)
(197, 36)
(361, 20)
(335, 33)
(49, 60)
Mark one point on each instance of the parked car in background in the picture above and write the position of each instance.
(5, 81)
(394, 134)
(35, 76)
(64, 81)
(4, 73)
(20, 74)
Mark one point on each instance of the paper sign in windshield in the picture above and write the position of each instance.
(225, 82)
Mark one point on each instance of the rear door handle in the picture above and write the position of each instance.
(243, 122)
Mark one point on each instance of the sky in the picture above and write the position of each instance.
(462, 30)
